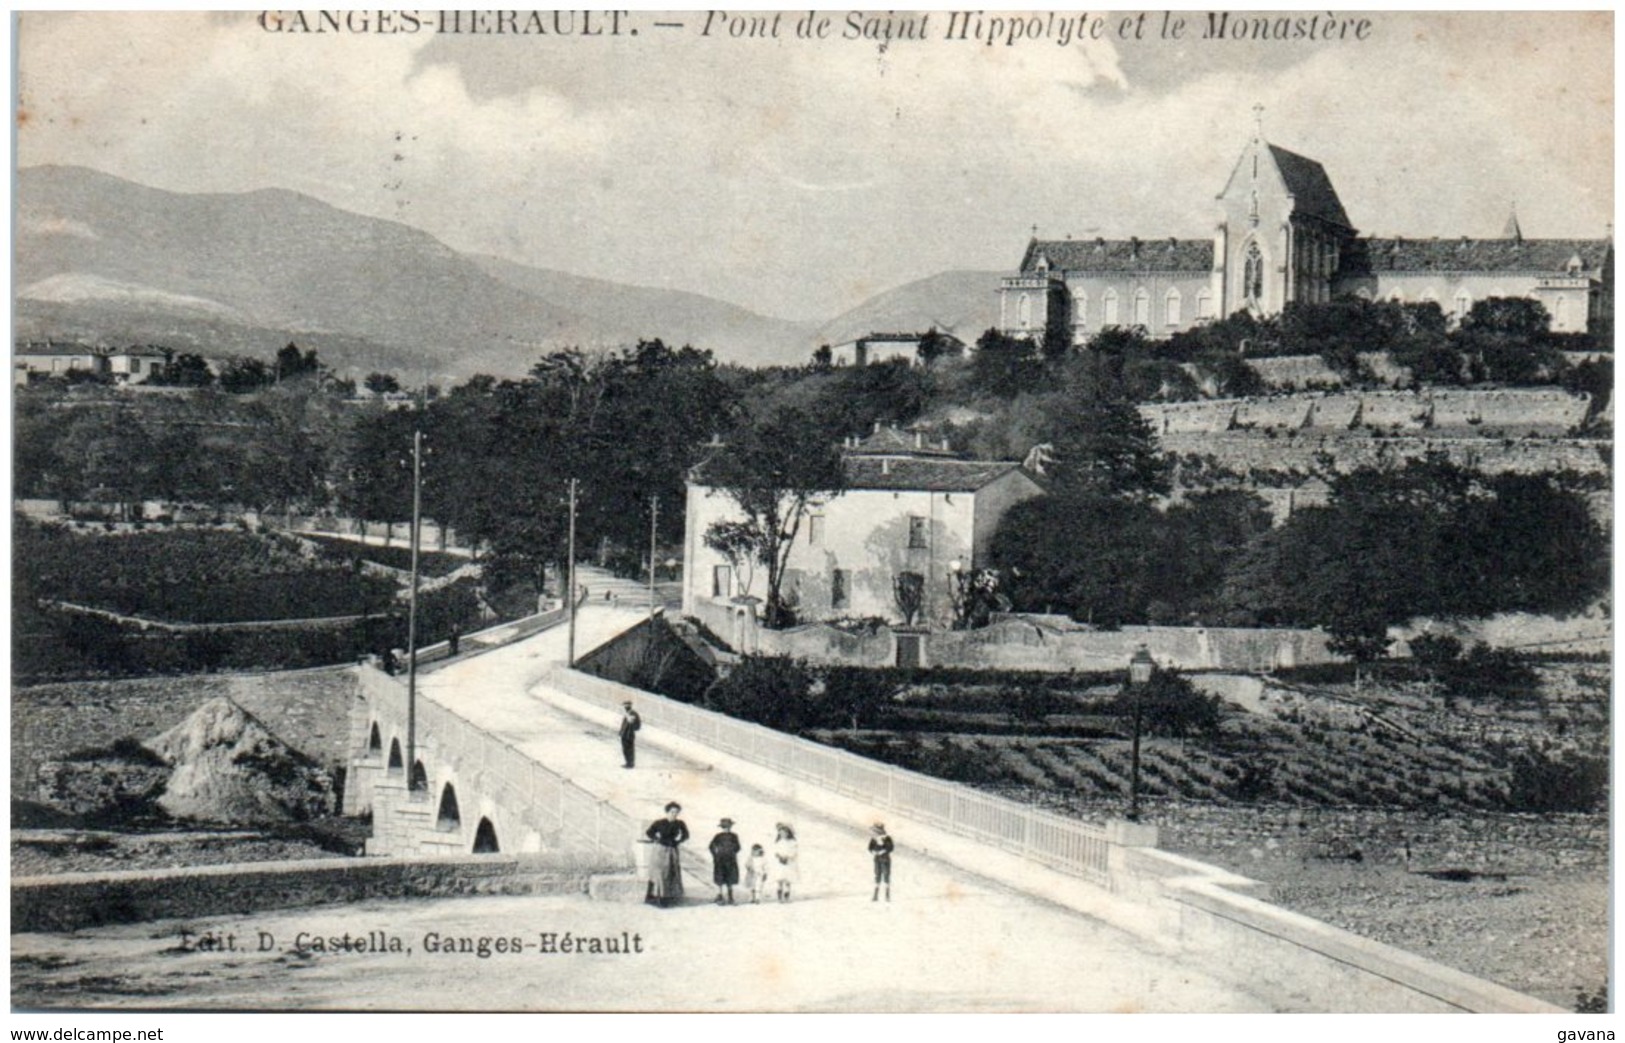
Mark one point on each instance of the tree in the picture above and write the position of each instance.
(291, 362)
(1171, 706)
(1005, 366)
(381, 383)
(773, 469)
(856, 697)
(185, 370)
(908, 594)
(242, 375)
(932, 346)
(775, 691)
(823, 357)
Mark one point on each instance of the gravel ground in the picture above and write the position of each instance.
(1533, 916)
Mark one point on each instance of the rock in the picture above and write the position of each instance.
(227, 767)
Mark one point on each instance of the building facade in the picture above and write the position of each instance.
(912, 514)
(1281, 236)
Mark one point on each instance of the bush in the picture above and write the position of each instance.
(1542, 783)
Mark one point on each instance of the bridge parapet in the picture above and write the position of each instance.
(477, 794)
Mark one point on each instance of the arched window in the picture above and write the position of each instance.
(1252, 274)
(395, 762)
(448, 819)
(420, 777)
(1024, 311)
(1110, 307)
(375, 742)
(485, 838)
(1204, 305)
(1171, 308)
(1464, 304)
(1398, 296)
(1142, 308)
(1080, 307)
(1363, 293)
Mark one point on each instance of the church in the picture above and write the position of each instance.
(1282, 235)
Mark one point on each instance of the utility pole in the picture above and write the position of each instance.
(654, 520)
(570, 594)
(412, 616)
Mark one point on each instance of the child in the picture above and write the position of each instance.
(756, 873)
(725, 860)
(880, 845)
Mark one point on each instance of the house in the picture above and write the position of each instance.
(131, 365)
(883, 347)
(52, 359)
(913, 515)
(136, 364)
(1282, 235)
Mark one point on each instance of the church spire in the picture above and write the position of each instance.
(1512, 231)
(1258, 122)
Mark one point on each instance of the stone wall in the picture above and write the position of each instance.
(72, 901)
(1505, 412)
(1054, 643)
(1301, 452)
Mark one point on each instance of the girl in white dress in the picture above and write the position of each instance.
(786, 863)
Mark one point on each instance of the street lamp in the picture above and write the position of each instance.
(1141, 668)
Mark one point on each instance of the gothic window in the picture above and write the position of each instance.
(1464, 304)
(1025, 311)
(1204, 305)
(1142, 308)
(1080, 308)
(1172, 308)
(1252, 274)
(1110, 302)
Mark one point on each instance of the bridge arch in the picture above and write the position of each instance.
(396, 764)
(375, 741)
(419, 779)
(485, 838)
(448, 819)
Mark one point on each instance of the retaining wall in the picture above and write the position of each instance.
(77, 900)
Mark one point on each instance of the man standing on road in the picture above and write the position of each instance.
(630, 723)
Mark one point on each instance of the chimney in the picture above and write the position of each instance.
(919, 439)
(945, 445)
(885, 465)
(877, 427)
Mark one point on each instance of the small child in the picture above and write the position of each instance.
(756, 873)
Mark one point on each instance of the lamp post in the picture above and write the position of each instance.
(1141, 668)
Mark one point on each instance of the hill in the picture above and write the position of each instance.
(964, 303)
(99, 257)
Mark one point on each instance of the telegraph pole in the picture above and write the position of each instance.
(654, 520)
(412, 615)
(571, 593)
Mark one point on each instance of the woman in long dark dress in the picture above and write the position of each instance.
(666, 886)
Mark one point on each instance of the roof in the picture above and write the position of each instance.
(55, 349)
(923, 474)
(1121, 255)
(1475, 255)
(887, 441)
(139, 351)
(1312, 191)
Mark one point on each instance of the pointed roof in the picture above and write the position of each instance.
(1310, 186)
(1512, 231)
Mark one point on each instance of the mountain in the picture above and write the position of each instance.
(964, 303)
(100, 257)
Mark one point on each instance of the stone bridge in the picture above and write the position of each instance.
(516, 753)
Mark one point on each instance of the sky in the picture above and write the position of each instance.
(798, 177)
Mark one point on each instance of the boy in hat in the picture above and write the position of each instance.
(880, 845)
(725, 860)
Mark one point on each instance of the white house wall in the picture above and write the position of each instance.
(865, 533)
